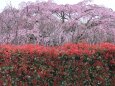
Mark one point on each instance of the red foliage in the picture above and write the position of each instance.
(69, 64)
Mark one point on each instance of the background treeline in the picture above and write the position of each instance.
(48, 23)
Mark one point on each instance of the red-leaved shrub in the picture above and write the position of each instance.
(68, 65)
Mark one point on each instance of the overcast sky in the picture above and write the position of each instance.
(15, 3)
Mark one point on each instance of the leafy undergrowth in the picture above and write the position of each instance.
(68, 65)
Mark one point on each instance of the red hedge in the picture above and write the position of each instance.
(68, 65)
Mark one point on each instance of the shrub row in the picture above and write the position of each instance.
(68, 65)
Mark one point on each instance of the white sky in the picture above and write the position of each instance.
(15, 3)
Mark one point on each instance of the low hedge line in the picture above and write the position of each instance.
(68, 65)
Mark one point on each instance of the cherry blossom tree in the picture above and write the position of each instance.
(53, 24)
